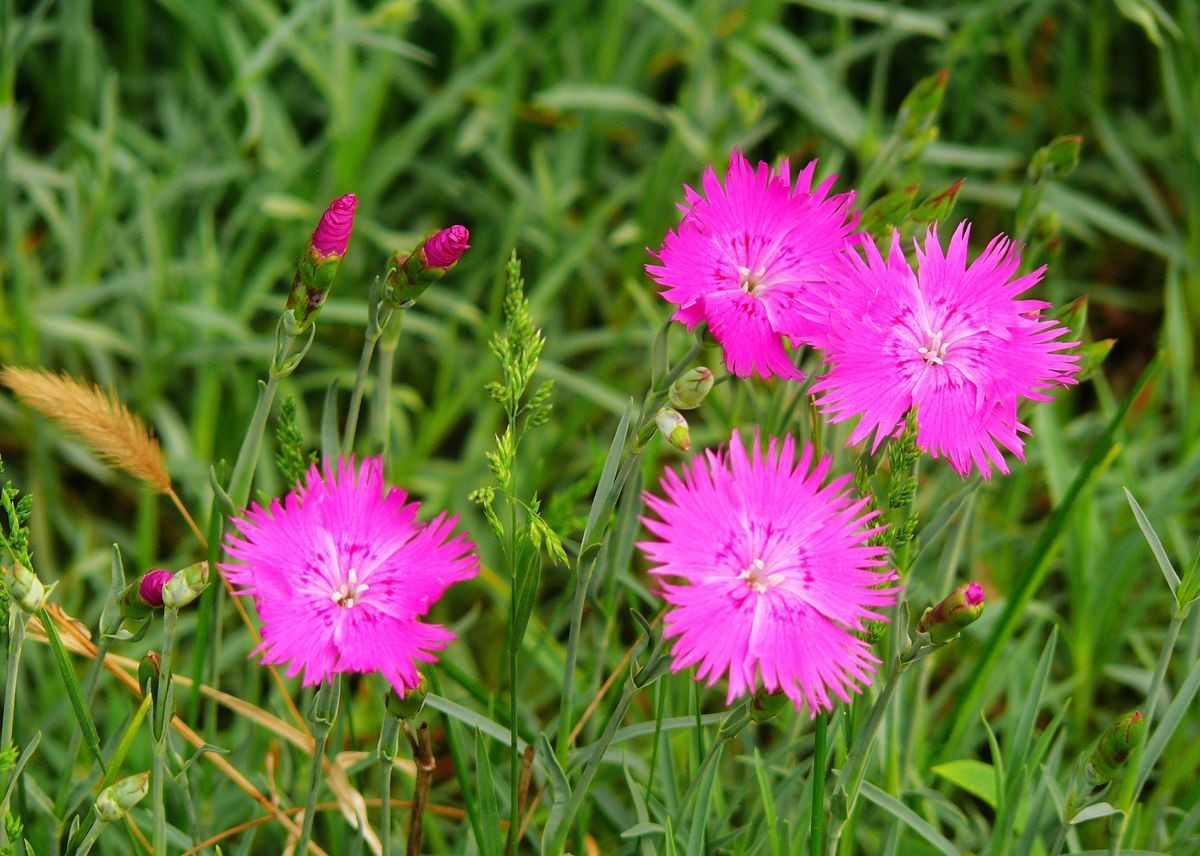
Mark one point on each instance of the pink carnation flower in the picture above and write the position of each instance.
(775, 573)
(745, 257)
(341, 572)
(332, 235)
(951, 340)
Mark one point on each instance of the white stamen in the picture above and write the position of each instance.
(756, 580)
(350, 592)
(751, 281)
(935, 352)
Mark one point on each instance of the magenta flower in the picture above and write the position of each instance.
(446, 247)
(341, 572)
(746, 256)
(951, 340)
(332, 235)
(150, 587)
(775, 573)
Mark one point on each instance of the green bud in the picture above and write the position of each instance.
(935, 209)
(1055, 159)
(950, 617)
(185, 586)
(766, 705)
(412, 702)
(674, 427)
(27, 591)
(310, 286)
(887, 212)
(1115, 746)
(691, 388)
(1073, 315)
(117, 799)
(1092, 356)
(148, 670)
(916, 121)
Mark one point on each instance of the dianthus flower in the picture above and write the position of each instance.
(745, 256)
(775, 573)
(341, 572)
(951, 340)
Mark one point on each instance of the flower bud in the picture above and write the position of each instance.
(118, 798)
(148, 671)
(766, 705)
(184, 587)
(150, 587)
(410, 704)
(691, 388)
(332, 235)
(409, 275)
(314, 276)
(446, 247)
(947, 619)
(26, 590)
(674, 427)
(1115, 746)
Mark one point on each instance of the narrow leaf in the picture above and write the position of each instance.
(1156, 547)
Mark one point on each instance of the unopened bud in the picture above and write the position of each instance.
(445, 248)
(314, 276)
(766, 705)
(117, 799)
(185, 586)
(148, 671)
(1115, 746)
(674, 427)
(950, 617)
(150, 587)
(691, 388)
(27, 591)
(409, 275)
(410, 704)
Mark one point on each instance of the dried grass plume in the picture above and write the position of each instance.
(106, 425)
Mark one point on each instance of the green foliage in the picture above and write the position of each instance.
(290, 456)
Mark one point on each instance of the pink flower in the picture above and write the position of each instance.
(151, 586)
(446, 247)
(341, 572)
(951, 340)
(775, 573)
(744, 259)
(332, 235)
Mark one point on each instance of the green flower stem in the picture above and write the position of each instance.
(16, 641)
(389, 738)
(379, 316)
(641, 434)
(321, 718)
(850, 779)
(731, 727)
(1130, 788)
(381, 407)
(162, 715)
(93, 833)
(287, 357)
(816, 836)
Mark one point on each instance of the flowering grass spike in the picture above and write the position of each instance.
(951, 340)
(341, 572)
(775, 573)
(746, 255)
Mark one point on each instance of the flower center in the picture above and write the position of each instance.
(934, 352)
(751, 281)
(350, 592)
(757, 579)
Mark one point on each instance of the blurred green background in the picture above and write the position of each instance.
(162, 164)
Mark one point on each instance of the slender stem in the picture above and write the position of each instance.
(388, 740)
(380, 315)
(162, 715)
(423, 756)
(247, 459)
(381, 407)
(93, 834)
(321, 719)
(816, 837)
(187, 517)
(16, 640)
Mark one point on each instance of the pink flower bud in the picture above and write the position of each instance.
(151, 587)
(446, 247)
(332, 234)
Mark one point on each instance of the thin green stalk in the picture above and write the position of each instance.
(93, 833)
(162, 715)
(377, 322)
(16, 640)
(601, 510)
(381, 407)
(816, 836)
(321, 718)
(389, 738)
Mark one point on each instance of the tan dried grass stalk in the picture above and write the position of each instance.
(106, 425)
